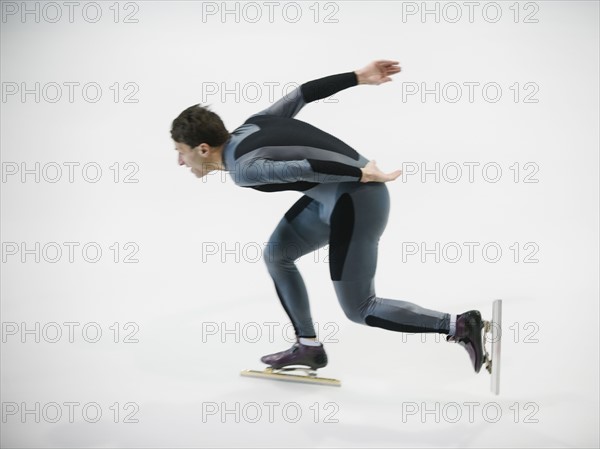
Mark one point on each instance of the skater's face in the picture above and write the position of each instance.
(198, 158)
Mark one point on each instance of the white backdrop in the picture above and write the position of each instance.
(133, 293)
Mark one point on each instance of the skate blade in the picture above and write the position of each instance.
(292, 375)
(492, 362)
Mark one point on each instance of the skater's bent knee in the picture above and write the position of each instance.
(354, 314)
(276, 253)
(272, 255)
(355, 303)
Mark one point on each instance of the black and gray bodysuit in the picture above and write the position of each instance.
(272, 151)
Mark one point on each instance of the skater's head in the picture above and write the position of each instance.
(199, 136)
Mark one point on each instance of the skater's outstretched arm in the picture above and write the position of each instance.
(336, 162)
(377, 72)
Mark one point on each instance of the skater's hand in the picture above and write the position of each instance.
(377, 72)
(371, 173)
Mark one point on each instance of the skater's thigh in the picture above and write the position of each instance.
(301, 230)
(357, 222)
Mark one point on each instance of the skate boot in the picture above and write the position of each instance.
(299, 354)
(468, 335)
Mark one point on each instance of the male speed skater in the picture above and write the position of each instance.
(345, 204)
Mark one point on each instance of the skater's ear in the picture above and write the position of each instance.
(202, 149)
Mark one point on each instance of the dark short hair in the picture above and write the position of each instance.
(196, 125)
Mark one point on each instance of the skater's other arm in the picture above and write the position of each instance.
(262, 171)
(372, 173)
(377, 72)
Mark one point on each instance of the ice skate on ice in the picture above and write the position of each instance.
(296, 364)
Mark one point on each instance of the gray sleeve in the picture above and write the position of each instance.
(287, 106)
(262, 171)
(290, 104)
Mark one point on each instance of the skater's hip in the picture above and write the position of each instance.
(361, 201)
(331, 193)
